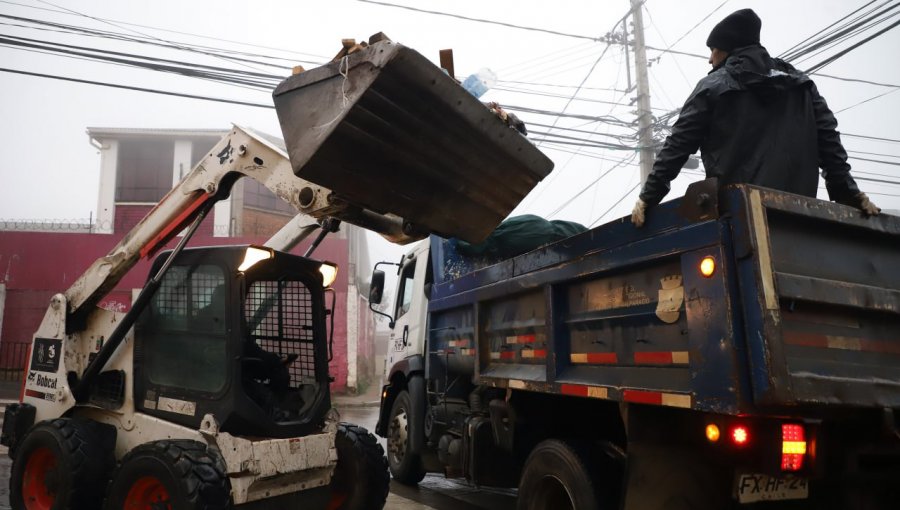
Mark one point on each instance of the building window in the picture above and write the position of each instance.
(144, 170)
(259, 197)
(200, 148)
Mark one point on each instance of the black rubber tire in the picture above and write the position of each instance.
(361, 480)
(406, 468)
(81, 463)
(192, 474)
(556, 477)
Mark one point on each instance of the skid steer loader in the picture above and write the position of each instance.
(212, 391)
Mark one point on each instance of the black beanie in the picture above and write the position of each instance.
(738, 29)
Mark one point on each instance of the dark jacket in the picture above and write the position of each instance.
(760, 121)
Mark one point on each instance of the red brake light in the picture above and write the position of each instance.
(793, 446)
(740, 435)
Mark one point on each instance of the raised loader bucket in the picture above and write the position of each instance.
(387, 130)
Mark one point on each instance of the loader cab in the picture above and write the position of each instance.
(237, 332)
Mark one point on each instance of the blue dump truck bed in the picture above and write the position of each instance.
(739, 301)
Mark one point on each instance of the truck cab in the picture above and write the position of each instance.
(410, 306)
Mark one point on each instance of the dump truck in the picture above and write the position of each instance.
(742, 348)
(212, 391)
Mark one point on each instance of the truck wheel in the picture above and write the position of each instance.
(361, 480)
(406, 467)
(555, 477)
(60, 464)
(170, 474)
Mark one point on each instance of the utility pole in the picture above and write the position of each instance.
(645, 119)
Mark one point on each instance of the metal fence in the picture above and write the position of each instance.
(12, 360)
(81, 225)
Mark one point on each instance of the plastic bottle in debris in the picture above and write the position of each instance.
(479, 83)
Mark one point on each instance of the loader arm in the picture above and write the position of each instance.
(240, 153)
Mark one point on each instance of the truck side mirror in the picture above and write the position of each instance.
(376, 292)
(376, 287)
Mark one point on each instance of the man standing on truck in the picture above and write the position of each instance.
(756, 120)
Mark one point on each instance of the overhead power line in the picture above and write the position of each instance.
(49, 26)
(876, 138)
(697, 25)
(840, 54)
(141, 89)
(845, 31)
(811, 38)
(185, 48)
(158, 29)
(867, 100)
(555, 85)
(481, 20)
(616, 203)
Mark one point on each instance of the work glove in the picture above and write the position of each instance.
(638, 213)
(868, 208)
(861, 201)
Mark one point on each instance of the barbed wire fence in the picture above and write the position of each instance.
(80, 225)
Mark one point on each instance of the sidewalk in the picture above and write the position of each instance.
(371, 398)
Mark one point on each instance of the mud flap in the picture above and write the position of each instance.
(672, 477)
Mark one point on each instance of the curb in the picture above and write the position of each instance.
(338, 403)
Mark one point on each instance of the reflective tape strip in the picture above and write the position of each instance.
(681, 357)
(840, 342)
(657, 398)
(534, 353)
(605, 358)
(676, 400)
(458, 343)
(516, 384)
(467, 352)
(508, 355)
(642, 397)
(520, 339)
(580, 390)
(495, 355)
(661, 358)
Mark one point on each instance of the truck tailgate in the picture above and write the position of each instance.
(386, 129)
(821, 296)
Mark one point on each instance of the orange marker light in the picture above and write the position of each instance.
(740, 435)
(712, 432)
(707, 266)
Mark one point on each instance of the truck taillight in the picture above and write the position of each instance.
(740, 435)
(793, 446)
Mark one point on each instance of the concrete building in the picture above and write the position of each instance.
(138, 167)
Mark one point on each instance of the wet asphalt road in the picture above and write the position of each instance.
(434, 493)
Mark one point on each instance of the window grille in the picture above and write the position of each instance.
(280, 320)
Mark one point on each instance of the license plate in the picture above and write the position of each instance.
(755, 487)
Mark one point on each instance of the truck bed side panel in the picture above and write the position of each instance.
(825, 290)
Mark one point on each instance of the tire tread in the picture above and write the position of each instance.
(200, 467)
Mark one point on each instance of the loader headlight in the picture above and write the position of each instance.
(329, 273)
(255, 254)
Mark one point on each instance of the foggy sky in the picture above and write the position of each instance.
(51, 172)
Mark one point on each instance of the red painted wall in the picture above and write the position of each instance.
(36, 265)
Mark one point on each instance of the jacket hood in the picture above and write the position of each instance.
(753, 68)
